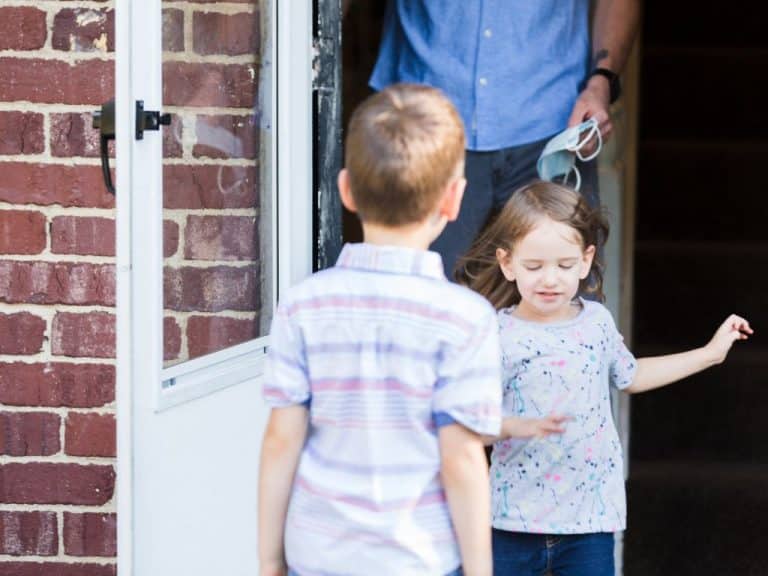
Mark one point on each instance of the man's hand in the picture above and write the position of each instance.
(532, 427)
(594, 102)
(734, 328)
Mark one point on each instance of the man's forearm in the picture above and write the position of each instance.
(613, 32)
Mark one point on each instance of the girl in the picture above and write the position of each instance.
(558, 499)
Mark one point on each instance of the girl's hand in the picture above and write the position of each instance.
(532, 427)
(734, 328)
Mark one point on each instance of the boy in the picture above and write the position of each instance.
(383, 376)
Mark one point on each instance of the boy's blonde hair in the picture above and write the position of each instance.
(404, 145)
(479, 268)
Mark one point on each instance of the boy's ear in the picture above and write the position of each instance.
(345, 191)
(451, 202)
(586, 261)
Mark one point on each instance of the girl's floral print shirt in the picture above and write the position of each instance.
(572, 483)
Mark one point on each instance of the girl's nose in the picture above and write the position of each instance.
(550, 276)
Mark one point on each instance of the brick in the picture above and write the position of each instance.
(211, 289)
(173, 137)
(72, 135)
(56, 569)
(83, 335)
(220, 238)
(48, 483)
(21, 132)
(84, 82)
(171, 339)
(226, 136)
(28, 534)
(90, 534)
(206, 334)
(170, 238)
(89, 435)
(208, 84)
(83, 235)
(84, 30)
(57, 384)
(47, 184)
(29, 434)
(229, 34)
(212, 187)
(79, 283)
(173, 30)
(22, 232)
(21, 333)
(22, 28)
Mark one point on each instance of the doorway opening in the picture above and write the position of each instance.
(699, 449)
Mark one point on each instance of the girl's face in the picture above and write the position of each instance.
(547, 264)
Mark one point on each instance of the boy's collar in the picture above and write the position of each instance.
(392, 260)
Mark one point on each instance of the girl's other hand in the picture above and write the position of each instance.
(734, 328)
(533, 427)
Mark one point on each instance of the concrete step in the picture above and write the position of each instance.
(693, 190)
(692, 518)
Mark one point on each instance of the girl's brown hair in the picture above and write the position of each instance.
(479, 269)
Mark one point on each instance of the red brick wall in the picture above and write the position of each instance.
(57, 293)
(57, 248)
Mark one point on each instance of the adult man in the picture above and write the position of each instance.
(519, 71)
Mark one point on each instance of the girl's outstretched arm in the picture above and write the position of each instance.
(658, 371)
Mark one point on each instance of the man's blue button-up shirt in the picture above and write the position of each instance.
(511, 67)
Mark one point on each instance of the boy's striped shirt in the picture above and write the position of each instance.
(383, 350)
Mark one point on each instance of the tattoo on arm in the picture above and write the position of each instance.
(601, 54)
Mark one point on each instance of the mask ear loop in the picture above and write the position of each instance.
(578, 178)
(595, 131)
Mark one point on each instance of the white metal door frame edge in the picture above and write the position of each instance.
(139, 279)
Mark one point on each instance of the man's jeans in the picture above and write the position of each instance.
(523, 554)
(492, 177)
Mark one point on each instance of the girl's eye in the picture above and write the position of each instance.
(533, 268)
(567, 266)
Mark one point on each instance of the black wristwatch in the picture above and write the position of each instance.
(613, 81)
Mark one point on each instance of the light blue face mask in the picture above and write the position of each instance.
(558, 159)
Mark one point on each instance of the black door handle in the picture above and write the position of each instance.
(104, 122)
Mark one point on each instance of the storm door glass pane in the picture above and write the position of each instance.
(218, 217)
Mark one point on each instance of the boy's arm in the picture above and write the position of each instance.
(464, 474)
(659, 371)
(280, 451)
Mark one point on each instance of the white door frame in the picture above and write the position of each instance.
(139, 209)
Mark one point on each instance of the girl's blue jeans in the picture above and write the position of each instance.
(524, 554)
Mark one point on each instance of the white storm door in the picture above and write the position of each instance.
(214, 219)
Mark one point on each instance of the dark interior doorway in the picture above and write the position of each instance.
(361, 33)
(698, 488)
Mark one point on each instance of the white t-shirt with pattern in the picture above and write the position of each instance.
(571, 483)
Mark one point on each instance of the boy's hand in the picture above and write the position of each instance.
(272, 569)
(533, 427)
(734, 328)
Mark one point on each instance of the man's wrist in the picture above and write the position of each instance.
(607, 80)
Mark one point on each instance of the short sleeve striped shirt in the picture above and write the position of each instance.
(383, 350)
